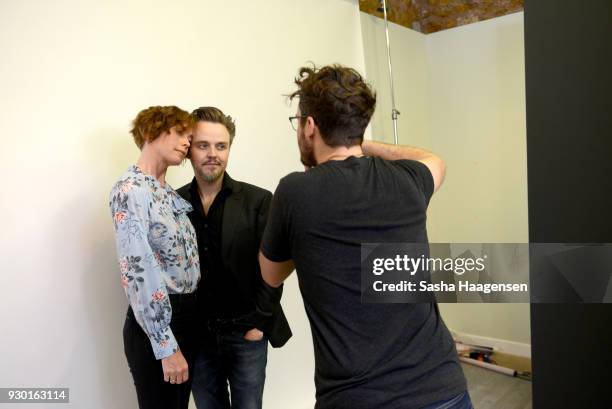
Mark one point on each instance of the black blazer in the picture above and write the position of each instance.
(245, 213)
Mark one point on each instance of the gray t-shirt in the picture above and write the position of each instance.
(366, 355)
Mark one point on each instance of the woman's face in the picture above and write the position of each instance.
(173, 146)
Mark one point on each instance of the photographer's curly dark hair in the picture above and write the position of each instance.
(338, 99)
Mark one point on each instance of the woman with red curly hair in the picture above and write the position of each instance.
(158, 260)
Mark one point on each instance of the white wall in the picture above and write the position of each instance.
(461, 93)
(477, 123)
(73, 74)
(410, 72)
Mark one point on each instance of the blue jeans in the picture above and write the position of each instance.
(229, 358)
(461, 401)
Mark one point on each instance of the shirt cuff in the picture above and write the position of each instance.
(272, 256)
(164, 344)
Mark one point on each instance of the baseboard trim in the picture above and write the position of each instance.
(498, 345)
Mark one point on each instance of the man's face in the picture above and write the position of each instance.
(210, 147)
(306, 148)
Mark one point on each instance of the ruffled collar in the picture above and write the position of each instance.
(179, 205)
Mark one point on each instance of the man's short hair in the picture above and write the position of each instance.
(338, 99)
(215, 115)
(150, 123)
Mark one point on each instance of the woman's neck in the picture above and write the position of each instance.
(151, 164)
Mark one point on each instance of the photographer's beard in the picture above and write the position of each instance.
(307, 156)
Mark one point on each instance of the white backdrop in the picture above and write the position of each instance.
(73, 73)
(461, 93)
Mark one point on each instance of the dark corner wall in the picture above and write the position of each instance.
(568, 50)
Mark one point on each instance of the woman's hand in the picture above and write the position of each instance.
(253, 335)
(175, 368)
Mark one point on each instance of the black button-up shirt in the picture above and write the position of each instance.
(218, 291)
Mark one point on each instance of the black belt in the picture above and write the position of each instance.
(182, 298)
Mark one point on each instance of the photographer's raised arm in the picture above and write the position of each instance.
(436, 165)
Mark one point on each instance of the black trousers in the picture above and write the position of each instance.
(151, 390)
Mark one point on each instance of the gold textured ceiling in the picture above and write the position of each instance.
(429, 16)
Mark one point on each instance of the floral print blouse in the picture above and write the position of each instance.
(157, 250)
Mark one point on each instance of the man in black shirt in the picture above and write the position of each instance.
(367, 356)
(229, 218)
